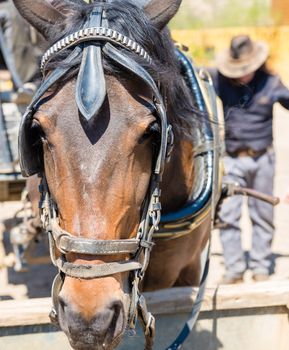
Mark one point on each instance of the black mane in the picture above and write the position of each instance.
(125, 17)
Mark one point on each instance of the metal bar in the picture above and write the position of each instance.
(258, 195)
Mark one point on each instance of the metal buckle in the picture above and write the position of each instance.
(147, 321)
(55, 290)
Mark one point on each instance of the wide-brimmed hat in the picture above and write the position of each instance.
(243, 57)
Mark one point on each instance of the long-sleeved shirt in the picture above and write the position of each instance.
(248, 109)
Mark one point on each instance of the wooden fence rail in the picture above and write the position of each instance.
(251, 316)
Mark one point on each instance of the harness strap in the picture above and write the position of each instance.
(87, 271)
(67, 243)
(89, 246)
(94, 33)
(55, 290)
(205, 257)
(55, 75)
(188, 327)
(147, 322)
(132, 66)
(204, 154)
(203, 148)
(95, 271)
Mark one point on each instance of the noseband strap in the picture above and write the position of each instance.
(85, 271)
(67, 243)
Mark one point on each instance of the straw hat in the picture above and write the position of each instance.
(243, 57)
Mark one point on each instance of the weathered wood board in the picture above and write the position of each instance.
(236, 317)
(11, 190)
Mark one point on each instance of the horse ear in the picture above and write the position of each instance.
(67, 6)
(43, 14)
(161, 12)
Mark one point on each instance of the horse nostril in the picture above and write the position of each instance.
(116, 324)
(116, 306)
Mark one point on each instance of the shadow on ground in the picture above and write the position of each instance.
(37, 278)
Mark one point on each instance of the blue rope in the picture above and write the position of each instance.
(188, 327)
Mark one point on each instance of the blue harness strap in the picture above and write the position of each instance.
(189, 325)
(205, 157)
(209, 193)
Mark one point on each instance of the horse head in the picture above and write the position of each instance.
(98, 134)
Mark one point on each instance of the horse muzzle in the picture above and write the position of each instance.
(103, 330)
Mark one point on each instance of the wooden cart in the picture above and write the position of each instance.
(11, 189)
(11, 181)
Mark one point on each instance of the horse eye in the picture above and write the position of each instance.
(152, 130)
(36, 130)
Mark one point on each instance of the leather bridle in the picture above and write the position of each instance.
(63, 242)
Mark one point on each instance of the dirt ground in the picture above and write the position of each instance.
(36, 282)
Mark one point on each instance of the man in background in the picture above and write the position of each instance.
(248, 92)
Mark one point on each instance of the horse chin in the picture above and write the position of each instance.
(87, 345)
(88, 338)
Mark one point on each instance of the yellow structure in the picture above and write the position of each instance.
(204, 44)
(280, 10)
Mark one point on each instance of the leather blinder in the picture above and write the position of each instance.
(29, 153)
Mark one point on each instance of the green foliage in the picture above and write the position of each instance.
(224, 13)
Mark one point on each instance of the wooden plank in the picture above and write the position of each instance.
(11, 190)
(168, 301)
(264, 294)
(223, 297)
(24, 312)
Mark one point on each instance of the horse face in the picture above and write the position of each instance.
(98, 173)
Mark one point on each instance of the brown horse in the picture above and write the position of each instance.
(98, 169)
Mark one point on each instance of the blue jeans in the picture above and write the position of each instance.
(258, 174)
